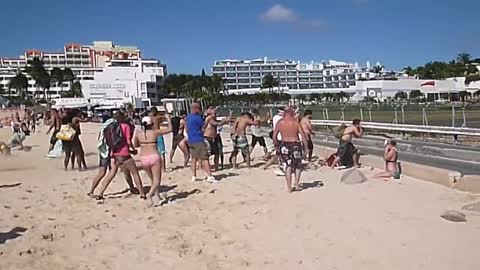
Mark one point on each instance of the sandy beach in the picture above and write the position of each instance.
(248, 221)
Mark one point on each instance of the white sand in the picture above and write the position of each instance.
(247, 221)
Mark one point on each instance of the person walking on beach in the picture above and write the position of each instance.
(55, 124)
(347, 154)
(290, 152)
(239, 138)
(146, 139)
(178, 127)
(121, 155)
(157, 121)
(391, 161)
(306, 125)
(79, 152)
(257, 136)
(196, 141)
(106, 161)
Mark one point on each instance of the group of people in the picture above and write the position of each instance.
(64, 121)
(198, 136)
(21, 128)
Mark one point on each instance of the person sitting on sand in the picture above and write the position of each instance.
(391, 165)
(150, 159)
(4, 149)
(347, 154)
(239, 138)
(17, 138)
(290, 152)
(122, 157)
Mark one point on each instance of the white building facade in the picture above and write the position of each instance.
(247, 75)
(109, 74)
(296, 78)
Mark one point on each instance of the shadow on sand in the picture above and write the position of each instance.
(314, 184)
(180, 195)
(12, 234)
(10, 185)
(225, 175)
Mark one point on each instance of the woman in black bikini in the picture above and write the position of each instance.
(391, 164)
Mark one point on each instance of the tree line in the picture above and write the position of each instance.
(44, 79)
(462, 66)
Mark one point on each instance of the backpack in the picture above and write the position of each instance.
(114, 136)
(338, 131)
(330, 159)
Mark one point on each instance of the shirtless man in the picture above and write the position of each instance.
(210, 133)
(55, 125)
(347, 154)
(307, 129)
(290, 148)
(239, 138)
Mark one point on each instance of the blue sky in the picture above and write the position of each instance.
(190, 35)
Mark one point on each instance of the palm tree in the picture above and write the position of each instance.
(377, 69)
(415, 94)
(400, 95)
(43, 81)
(217, 84)
(20, 84)
(343, 95)
(301, 98)
(37, 71)
(464, 58)
(68, 75)
(56, 77)
(268, 82)
(410, 71)
(464, 95)
(75, 90)
(328, 96)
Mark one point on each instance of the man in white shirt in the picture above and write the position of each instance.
(276, 118)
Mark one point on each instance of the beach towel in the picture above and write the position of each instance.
(57, 150)
(102, 146)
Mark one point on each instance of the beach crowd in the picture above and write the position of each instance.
(286, 139)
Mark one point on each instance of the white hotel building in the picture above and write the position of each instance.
(109, 74)
(245, 76)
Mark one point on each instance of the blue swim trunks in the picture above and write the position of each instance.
(161, 145)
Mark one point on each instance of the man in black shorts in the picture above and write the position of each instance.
(256, 134)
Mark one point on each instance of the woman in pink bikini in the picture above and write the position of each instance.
(146, 139)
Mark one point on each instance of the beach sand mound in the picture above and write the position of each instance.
(353, 176)
(454, 216)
